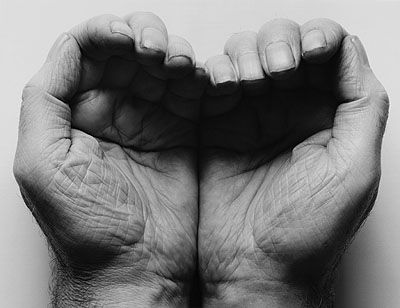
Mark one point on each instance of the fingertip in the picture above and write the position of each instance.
(242, 50)
(58, 46)
(355, 79)
(103, 36)
(313, 45)
(178, 66)
(362, 54)
(61, 72)
(180, 59)
(120, 27)
(151, 48)
(320, 39)
(151, 37)
(153, 40)
(279, 48)
(223, 79)
(280, 60)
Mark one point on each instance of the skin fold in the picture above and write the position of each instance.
(291, 170)
(160, 181)
(107, 168)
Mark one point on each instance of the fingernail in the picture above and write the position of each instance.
(153, 39)
(121, 28)
(180, 59)
(250, 67)
(315, 39)
(224, 76)
(279, 57)
(180, 53)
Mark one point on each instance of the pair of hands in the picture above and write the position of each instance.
(154, 177)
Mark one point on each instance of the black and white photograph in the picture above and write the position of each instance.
(200, 153)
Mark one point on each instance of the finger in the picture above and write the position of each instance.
(182, 107)
(151, 37)
(104, 36)
(44, 133)
(223, 88)
(217, 105)
(92, 72)
(279, 48)
(119, 72)
(242, 50)
(361, 117)
(223, 79)
(180, 59)
(184, 95)
(99, 39)
(147, 87)
(192, 86)
(320, 39)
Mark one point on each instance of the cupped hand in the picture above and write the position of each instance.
(289, 164)
(106, 160)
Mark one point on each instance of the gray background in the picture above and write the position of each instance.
(370, 274)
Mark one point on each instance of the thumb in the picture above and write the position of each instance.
(60, 74)
(360, 119)
(44, 132)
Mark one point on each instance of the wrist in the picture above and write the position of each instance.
(268, 294)
(116, 286)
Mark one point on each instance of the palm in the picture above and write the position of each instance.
(125, 182)
(137, 180)
(274, 204)
(106, 159)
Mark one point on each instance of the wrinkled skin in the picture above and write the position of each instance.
(265, 192)
(289, 172)
(104, 161)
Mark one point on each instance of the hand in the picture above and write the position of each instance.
(106, 161)
(290, 162)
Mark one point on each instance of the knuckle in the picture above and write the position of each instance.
(332, 29)
(282, 22)
(178, 40)
(148, 14)
(29, 91)
(378, 93)
(241, 39)
(319, 22)
(96, 20)
(26, 92)
(329, 22)
(279, 28)
(95, 25)
(383, 109)
(141, 16)
(215, 60)
(24, 171)
(238, 36)
(383, 95)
